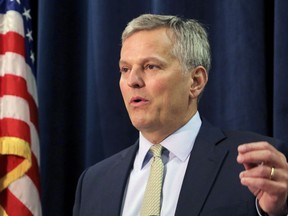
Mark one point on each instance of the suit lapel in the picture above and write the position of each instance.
(117, 176)
(204, 164)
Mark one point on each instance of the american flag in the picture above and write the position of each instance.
(19, 141)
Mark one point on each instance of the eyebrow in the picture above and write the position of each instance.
(147, 59)
(122, 62)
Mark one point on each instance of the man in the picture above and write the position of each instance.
(164, 68)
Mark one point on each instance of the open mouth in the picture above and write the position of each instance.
(137, 100)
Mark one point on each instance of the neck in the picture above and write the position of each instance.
(156, 136)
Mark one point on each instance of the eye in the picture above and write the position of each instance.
(151, 67)
(124, 69)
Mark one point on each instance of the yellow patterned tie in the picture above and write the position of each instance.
(152, 197)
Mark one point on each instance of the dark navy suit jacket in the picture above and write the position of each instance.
(211, 185)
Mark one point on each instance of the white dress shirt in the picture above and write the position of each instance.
(175, 157)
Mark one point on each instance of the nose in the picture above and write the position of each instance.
(135, 79)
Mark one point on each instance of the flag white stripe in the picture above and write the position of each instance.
(12, 63)
(14, 107)
(35, 147)
(17, 108)
(11, 21)
(25, 185)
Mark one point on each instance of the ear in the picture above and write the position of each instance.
(199, 78)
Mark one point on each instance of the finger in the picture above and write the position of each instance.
(269, 193)
(268, 157)
(261, 171)
(265, 185)
(254, 146)
(257, 157)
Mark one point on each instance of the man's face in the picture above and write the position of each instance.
(155, 90)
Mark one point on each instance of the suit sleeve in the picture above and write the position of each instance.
(77, 202)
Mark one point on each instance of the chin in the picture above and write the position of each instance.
(140, 124)
(137, 125)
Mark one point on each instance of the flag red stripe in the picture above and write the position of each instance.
(33, 173)
(8, 163)
(17, 86)
(12, 42)
(12, 205)
(19, 117)
(15, 128)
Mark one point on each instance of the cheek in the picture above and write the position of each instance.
(159, 86)
(122, 86)
(176, 94)
(124, 91)
(165, 94)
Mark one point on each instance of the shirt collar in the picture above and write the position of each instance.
(184, 136)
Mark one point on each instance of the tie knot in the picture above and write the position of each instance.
(156, 150)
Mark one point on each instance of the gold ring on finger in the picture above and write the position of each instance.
(272, 174)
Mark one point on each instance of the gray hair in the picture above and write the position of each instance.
(191, 45)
